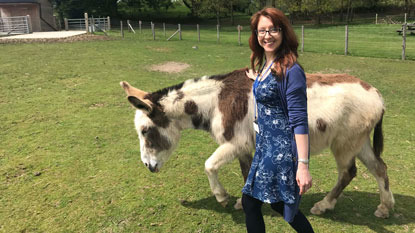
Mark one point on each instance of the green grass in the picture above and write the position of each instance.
(69, 154)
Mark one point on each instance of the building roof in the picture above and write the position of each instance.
(18, 1)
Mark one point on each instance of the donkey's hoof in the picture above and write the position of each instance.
(316, 210)
(323, 205)
(382, 212)
(238, 204)
(224, 203)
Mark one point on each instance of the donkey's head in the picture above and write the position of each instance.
(158, 134)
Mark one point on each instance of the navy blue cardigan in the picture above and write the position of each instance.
(293, 91)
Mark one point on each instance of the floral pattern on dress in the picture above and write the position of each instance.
(272, 175)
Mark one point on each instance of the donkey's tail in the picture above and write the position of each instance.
(378, 138)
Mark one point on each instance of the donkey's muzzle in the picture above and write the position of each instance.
(153, 168)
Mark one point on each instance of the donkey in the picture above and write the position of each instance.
(342, 112)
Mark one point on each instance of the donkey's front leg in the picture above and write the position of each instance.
(223, 155)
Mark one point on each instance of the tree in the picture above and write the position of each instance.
(157, 4)
(214, 6)
(194, 6)
(349, 11)
(76, 8)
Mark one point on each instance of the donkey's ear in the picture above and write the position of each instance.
(137, 97)
(139, 104)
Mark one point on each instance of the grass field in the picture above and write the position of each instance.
(69, 154)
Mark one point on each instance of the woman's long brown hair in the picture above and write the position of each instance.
(286, 53)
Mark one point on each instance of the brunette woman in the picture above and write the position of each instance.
(279, 172)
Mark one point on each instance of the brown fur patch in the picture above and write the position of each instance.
(155, 140)
(190, 107)
(233, 99)
(159, 118)
(321, 125)
(330, 79)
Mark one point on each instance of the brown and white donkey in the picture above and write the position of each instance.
(342, 112)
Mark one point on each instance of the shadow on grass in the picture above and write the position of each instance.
(353, 208)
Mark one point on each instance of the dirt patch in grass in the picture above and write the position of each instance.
(159, 49)
(170, 67)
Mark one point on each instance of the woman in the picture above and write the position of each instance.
(279, 172)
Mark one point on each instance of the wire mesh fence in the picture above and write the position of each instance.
(366, 40)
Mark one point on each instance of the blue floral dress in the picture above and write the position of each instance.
(272, 177)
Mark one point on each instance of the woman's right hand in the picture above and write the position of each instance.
(251, 74)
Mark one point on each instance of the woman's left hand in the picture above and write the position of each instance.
(251, 74)
(304, 179)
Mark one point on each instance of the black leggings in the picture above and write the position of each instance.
(255, 221)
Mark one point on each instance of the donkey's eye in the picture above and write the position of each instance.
(144, 131)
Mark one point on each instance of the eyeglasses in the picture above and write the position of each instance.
(272, 32)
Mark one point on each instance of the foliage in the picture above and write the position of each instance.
(220, 8)
(77, 8)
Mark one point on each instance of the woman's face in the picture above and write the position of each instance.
(269, 36)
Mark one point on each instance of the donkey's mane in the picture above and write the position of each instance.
(157, 95)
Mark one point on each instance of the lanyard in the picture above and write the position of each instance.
(257, 82)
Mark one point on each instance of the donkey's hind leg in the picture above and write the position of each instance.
(346, 166)
(378, 168)
(224, 154)
(245, 161)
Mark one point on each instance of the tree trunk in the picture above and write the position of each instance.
(218, 16)
(349, 4)
(232, 22)
(318, 12)
(341, 11)
(274, 4)
(191, 6)
(262, 3)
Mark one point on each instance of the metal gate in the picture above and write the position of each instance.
(15, 25)
(79, 24)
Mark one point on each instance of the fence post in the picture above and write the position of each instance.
(29, 24)
(164, 29)
(122, 29)
(180, 32)
(86, 22)
(128, 25)
(65, 20)
(302, 38)
(403, 41)
(108, 23)
(346, 45)
(139, 25)
(239, 35)
(152, 29)
(405, 17)
(217, 29)
(376, 21)
(92, 24)
(198, 32)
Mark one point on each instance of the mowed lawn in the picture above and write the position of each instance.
(69, 153)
